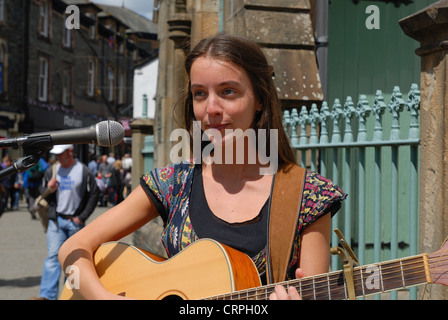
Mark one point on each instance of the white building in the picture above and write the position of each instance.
(145, 82)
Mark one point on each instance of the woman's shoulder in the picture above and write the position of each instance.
(184, 166)
(319, 184)
(320, 196)
(177, 170)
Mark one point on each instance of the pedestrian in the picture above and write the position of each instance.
(127, 183)
(94, 164)
(74, 197)
(8, 184)
(127, 162)
(17, 191)
(230, 89)
(102, 189)
(2, 195)
(32, 183)
(105, 171)
(111, 158)
(116, 184)
(127, 166)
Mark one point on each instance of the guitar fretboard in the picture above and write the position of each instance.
(368, 280)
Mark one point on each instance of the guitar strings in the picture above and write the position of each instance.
(330, 278)
(340, 290)
(333, 278)
(440, 256)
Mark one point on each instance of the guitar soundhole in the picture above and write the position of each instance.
(173, 297)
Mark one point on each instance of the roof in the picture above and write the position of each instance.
(133, 20)
(76, 2)
(81, 3)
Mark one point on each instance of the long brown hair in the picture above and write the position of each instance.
(248, 55)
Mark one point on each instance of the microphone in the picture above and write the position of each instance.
(105, 134)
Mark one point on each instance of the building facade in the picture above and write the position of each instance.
(283, 29)
(68, 64)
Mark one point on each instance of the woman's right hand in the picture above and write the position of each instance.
(131, 214)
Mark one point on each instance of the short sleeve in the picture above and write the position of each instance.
(167, 187)
(320, 196)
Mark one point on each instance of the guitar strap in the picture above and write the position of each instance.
(285, 204)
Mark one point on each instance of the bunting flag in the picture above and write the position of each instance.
(125, 124)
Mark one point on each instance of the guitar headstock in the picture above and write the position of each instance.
(438, 265)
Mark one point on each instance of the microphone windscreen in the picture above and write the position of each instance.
(109, 133)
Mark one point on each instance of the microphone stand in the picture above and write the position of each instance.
(33, 150)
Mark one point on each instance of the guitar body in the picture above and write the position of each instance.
(206, 268)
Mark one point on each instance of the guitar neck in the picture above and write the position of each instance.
(368, 280)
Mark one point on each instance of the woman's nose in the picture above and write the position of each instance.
(213, 106)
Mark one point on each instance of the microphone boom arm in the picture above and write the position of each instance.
(105, 133)
(34, 148)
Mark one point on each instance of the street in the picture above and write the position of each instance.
(22, 252)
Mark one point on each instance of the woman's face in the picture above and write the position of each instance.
(223, 96)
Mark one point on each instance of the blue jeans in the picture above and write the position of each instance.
(57, 233)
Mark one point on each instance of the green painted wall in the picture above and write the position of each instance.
(361, 61)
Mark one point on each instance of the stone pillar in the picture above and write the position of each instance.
(204, 18)
(179, 31)
(430, 27)
(148, 236)
(164, 94)
(174, 31)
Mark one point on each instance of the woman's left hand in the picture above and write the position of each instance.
(281, 293)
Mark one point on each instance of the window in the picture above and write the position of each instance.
(2, 10)
(91, 78)
(67, 86)
(44, 18)
(121, 88)
(67, 37)
(121, 47)
(92, 31)
(92, 27)
(135, 54)
(122, 42)
(110, 83)
(3, 68)
(43, 79)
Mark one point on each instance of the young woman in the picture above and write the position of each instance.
(220, 195)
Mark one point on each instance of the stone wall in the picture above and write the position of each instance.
(430, 28)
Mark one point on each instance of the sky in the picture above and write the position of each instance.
(142, 7)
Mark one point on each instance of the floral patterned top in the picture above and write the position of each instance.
(170, 189)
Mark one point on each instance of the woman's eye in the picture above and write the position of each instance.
(229, 91)
(198, 94)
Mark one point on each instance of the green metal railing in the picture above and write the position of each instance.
(380, 216)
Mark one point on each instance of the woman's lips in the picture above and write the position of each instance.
(218, 127)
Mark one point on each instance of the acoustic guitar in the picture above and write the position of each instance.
(212, 271)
